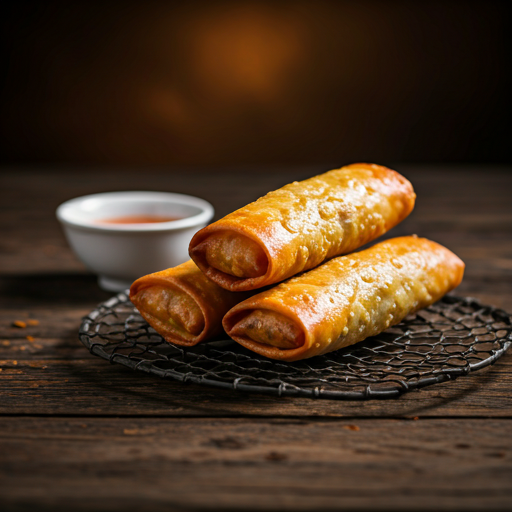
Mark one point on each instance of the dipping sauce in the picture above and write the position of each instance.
(136, 219)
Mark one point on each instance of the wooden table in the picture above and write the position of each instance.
(77, 433)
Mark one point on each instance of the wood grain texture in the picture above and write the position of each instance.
(78, 433)
(91, 387)
(227, 464)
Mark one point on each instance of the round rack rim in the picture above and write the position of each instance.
(94, 322)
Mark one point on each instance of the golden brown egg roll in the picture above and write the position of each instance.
(301, 225)
(183, 305)
(345, 300)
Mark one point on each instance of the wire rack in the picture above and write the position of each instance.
(449, 339)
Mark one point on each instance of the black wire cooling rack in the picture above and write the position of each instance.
(451, 338)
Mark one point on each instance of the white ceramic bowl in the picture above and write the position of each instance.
(121, 253)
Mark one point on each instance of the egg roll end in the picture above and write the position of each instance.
(268, 328)
(173, 307)
(233, 254)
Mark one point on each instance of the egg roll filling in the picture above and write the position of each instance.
(173, 307)
(269, 328)
(233, 254)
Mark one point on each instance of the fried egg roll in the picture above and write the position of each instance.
(345, 300)
(299, 226)
(183, 305)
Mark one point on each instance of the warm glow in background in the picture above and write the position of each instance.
(234, 82)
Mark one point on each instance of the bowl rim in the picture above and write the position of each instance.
(203, 217)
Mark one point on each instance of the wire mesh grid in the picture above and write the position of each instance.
(451, 338)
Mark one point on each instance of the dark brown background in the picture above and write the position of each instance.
(230, 82)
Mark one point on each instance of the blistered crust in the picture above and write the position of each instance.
(305, 223)
(356, 296)
(211, 299)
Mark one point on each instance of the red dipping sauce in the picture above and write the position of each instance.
(136, 219)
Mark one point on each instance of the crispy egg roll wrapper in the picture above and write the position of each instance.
(183, 305)
(299, 226)
(345, 300)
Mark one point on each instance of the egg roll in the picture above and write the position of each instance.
(300, 225)
(183, 305)
(345, 300)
